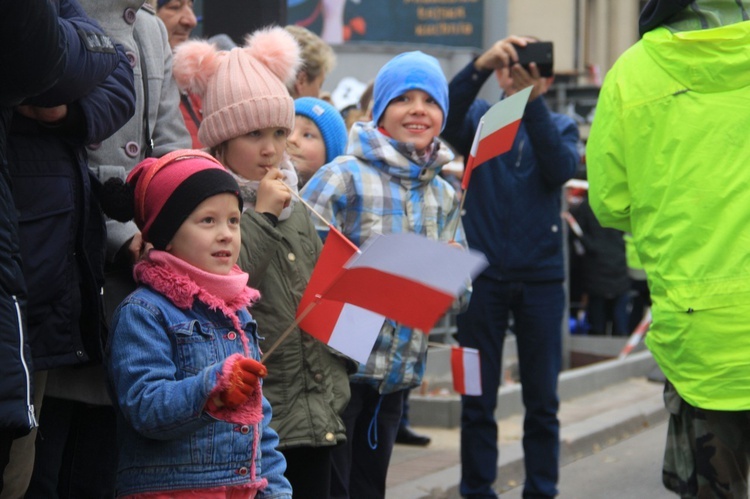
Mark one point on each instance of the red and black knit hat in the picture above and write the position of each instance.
(166, 190)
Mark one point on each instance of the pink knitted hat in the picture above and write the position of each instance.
(243, 89)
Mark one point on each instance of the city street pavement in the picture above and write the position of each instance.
(590, 421)
(630, 468)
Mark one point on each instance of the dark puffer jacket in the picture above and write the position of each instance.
(61, 228)
(28, 32)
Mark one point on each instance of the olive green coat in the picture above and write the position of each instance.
(307, 383)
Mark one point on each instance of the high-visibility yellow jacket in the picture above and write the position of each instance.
(669, 161)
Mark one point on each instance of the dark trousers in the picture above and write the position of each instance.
(603, 310)
(6, 441)
(360, 466)
(76, 451)
(537, 310)
(308, 469)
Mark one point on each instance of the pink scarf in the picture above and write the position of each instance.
(183, 283)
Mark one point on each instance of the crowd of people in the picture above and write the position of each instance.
(163, 206)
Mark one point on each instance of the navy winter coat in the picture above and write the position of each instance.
(513, 203)
(28, 32)
(61, 227)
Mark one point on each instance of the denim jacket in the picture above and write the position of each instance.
(163, 362)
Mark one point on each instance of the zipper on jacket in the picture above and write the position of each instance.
(29, 402)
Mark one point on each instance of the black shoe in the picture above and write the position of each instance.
(407, 436)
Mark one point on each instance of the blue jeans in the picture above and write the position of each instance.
(537, 309)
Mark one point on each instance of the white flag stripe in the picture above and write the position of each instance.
(355, 332)
(505, 112)
(477, 135)
(432, 263)
(472, 374)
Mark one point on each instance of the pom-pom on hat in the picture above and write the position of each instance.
(409, 71)
(329, 122)
(244, 89)
(161, 193)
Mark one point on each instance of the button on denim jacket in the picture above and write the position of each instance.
(163, 362)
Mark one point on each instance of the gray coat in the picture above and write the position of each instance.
(118, 155)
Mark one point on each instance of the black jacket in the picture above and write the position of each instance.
(28, 32)
(51, 58)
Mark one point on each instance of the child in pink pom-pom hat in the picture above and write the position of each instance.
(248, 116)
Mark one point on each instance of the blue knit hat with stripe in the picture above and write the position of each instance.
(409, 71)
(329, 122)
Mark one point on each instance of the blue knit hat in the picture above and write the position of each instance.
(329, 122)
(161, 3)
(409, 71)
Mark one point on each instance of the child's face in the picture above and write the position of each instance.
(413, 117)
(306, 148)
(210, 237)
(251, 155)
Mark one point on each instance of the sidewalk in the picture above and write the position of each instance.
(590, 420)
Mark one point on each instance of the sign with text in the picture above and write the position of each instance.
(456, 23)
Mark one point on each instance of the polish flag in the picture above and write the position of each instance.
(347, 328)
(406, 277)
(467, 378)
(496, 131)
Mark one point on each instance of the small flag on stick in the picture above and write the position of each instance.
(347, 328)
(467, 377)
(406, 277)
(496, 131)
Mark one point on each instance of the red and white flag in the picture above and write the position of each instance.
(467, 375)
(406, 277)
(349, 329)
(496, 131)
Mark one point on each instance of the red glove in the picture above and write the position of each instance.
(242, 382)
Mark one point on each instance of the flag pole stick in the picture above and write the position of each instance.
(458, 218)
(307, 205)
(288, 331)
(438, 345)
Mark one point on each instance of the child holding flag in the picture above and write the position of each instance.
(248, 115)
(183, 353)
(388, 183)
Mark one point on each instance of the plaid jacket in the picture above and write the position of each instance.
(384, 186)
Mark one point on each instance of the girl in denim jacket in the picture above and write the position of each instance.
(182, 358)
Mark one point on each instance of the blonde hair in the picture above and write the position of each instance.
(317, 56)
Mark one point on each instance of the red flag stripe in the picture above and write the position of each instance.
(498, 142)
(466, 369)
(392, 296)
(333, 322)
(457, 367)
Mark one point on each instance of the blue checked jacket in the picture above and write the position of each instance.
(384, 186)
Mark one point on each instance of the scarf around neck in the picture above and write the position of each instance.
(182, 283)
(249, 188)
(399, 160)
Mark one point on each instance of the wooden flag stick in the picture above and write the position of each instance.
(307, 205)
(435, 344)
(288, 331)
(458, 218)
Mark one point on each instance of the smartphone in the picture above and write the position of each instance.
(539, 52)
